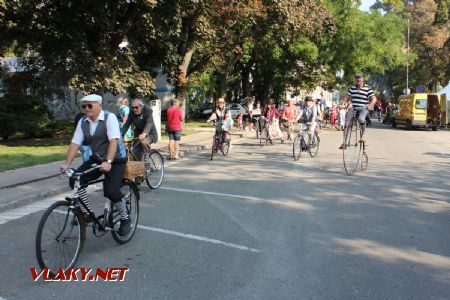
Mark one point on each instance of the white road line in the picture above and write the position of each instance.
(1, 298)
(199, 238)
(292, 204)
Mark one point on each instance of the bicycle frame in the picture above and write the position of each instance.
(74, 202)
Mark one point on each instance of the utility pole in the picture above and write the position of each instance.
(407, 63)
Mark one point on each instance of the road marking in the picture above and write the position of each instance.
(26, 210)
(1, 298)
(199, 238)
(291, 204)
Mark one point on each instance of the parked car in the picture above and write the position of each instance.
(236, 109)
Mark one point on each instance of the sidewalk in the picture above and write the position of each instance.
(23, 186)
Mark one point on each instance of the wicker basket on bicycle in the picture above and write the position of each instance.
(134, 169)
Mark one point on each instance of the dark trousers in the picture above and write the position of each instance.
(113, 178)
(142, 147)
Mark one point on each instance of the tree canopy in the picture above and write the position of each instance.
(231, 48)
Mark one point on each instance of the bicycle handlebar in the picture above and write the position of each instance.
(71, 172)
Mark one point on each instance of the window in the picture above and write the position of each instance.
(421, 103)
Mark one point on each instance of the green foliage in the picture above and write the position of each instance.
(26, 115)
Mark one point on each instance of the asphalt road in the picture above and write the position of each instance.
(257, 225)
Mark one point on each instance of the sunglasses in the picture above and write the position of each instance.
(84, 106)
(135, 107)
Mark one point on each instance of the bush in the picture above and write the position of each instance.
(26, 115)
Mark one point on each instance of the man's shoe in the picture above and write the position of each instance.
(343, 147)
(363, 139)
(312, 146)
(125, 227)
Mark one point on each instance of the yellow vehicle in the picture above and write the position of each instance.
(418, 110)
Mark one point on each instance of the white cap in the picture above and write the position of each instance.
(92, 98)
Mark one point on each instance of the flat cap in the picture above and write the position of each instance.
(359, 75)
(92, 98)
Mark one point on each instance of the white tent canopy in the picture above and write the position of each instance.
(445, 90)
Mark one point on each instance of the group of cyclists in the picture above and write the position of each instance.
(360, 98)
(101, 131)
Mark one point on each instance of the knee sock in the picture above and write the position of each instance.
(122, 207)
(82, 194)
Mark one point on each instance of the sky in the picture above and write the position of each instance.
(365, 4)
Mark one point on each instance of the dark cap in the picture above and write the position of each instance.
(308, 98)
(359, 75)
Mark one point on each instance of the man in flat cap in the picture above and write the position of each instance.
(101, 131)
(362, 100)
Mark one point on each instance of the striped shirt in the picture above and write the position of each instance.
(360, 97)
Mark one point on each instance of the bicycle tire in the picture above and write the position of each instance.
(352, 147)
(364, 161)
(313, 151)
(59, 220)
(297, 147)
(264, 136)
(225, 148)
(131, 194)
(213, 148)
(155, 169)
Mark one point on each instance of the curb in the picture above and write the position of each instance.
(33, 198)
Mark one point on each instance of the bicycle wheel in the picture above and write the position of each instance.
(297, 147)
(225, 148)
(314, 150)
(213, 148)
(352, 147)
(263, 137)
(154, 166)
(131, 194)
(60, 237)
(364, 161)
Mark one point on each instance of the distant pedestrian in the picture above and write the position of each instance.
(174, 120)
(240, 121)
(333, 116)
(124, 111)
(342, 112)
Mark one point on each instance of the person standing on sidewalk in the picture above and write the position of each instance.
(174, 120)
(100, 130)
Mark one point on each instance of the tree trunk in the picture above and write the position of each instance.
(246, 84)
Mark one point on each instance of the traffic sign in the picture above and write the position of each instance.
(420, 89)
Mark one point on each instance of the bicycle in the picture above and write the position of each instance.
(264, 137)
(61, 232)
(301, 144)
(154, 164)
(288, 127)
(353, 150)
(221, 140)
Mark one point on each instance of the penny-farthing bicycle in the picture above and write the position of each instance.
(354, 153)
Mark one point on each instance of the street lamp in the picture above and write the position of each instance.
(407, 63)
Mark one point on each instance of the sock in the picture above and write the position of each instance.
(82, 194)
(122, 207)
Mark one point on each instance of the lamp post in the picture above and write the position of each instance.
(407, 63)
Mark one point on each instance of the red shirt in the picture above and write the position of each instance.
(174, 118)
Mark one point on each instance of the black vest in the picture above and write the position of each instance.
(99, 141)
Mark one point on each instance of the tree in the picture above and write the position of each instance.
(78, 43)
